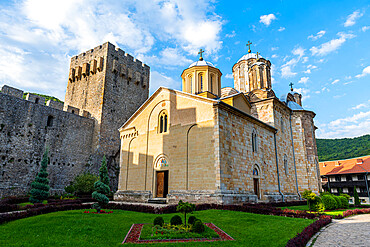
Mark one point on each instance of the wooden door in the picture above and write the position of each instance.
(256, 187)
(160, 184)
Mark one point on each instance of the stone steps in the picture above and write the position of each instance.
(158, 200)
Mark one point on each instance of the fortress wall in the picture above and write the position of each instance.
(26, 128)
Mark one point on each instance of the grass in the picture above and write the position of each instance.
(74, 228)
(147, 232)
(331, 212)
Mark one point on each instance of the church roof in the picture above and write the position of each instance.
(247, 56)
(201, 63)
(294, 106)
(227, 91)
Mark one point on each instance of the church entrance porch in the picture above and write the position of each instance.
(162, 184)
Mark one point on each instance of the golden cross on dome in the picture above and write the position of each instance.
(201, 54)
(249, 45)
(258, 54)
(291, 86)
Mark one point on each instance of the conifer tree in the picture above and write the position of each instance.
(357, 198)
(40, 187)
(101, 187)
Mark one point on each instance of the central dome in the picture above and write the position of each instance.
(201, 63)
(247, 56)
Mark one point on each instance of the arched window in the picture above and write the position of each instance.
(189, 83)
(286, 165)
(163, 122)
(211, 84)
(254, 141)
(255, 171)
(200, 79)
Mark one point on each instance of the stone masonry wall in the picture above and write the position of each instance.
(26, 129)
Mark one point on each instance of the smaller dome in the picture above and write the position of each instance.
(294, 106)
(247, 56)
(227, 91)
(201, 63)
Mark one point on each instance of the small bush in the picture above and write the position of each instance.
(339, 202)
(343, 201)
(84, 183)
(346, 196)
(317, 205)
(329, 202)
(198, 226)
(70, 189)
(191, 220)
(176, 220)
(158, 221)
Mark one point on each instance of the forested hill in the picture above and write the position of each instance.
(47, 97)
(346, 148)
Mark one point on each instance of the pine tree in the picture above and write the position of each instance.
(355, 195)
(40, 187)
(101, 187)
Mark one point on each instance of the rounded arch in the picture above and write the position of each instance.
(163, 120)
(256, 171)
(161, 162)
(200, 82)
(189, 82)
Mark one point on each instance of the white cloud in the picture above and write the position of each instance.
(304, 80)
(286, 69)
(362, 105)
(230, 35)
(335, 81)
(274, 48)
(317, 36)
(351, 19)
(305, 93)
(299, 51)
(304, 59)
(39, 36)
(229, 76)
(365, 28)
(274, 56)
(158, 79)
(308, 71)
(267, 19)
(365, 72)
(281, 29)
(331, 45)
(355, 125)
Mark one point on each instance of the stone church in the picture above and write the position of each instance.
(202, 144)
(207, 144)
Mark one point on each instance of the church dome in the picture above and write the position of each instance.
(294, 106)
(201, 63)
(227, 91)
(248, 56)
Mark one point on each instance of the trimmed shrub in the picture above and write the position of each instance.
(343, 201)
(317, 205)
(198, 226)
(191, 220)
(158, 221)
(82, 184)
(185, 207)
(70, 189)
(329, 202)
(339, 202)
(346, 196)
(357, 198)
(101, 187)
(176, 220)
(40, 187)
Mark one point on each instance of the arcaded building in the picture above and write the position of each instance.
(219, 145)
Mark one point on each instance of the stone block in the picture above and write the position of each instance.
(72, 109)
(100, 64)
(115, 67)
(78, 71)
(93, 66)
(132, 196)
(55, 104)
(123, 71)
(71, 76)
(12, 91)
(85, 69)
(137, 78)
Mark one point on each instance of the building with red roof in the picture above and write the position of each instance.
(345, 175)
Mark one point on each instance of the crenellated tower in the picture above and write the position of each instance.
(107, 85)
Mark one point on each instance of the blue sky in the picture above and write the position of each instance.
(321, 46)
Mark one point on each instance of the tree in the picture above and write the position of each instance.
(40, 187)
(185, 207)
(101, 187)
(357, 199)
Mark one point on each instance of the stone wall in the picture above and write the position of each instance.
(26, 129)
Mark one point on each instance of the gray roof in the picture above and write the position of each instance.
(247, 56)
(201, 63)
(294, 106)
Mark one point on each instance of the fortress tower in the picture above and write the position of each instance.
(108, 85)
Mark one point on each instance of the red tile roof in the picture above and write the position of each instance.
(355, 165)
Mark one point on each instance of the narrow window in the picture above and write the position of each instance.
(73, 111)
(254, 141)
(211, 83)
(37, 100)
(50, 121)
(282, 124)
(163, 122)
(286, 165)
(161, 125)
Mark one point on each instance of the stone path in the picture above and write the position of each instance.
(351, 231)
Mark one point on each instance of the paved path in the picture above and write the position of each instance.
(351, 231)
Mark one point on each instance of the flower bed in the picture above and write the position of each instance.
(133, 236)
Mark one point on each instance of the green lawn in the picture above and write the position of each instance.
(74, 228)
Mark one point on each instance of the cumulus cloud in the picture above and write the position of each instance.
(286, 69)
(229, 76)
(281, 29)
(331, 45)
(335, 81)
(365, 28)
(365, 72)
(355, 125)
(230, 35)
(267, 19)
(351, 19)
(304, 80)
(304, 91)
(317, 36)
(41, 35)
(362, 105)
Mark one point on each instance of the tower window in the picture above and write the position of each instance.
(282, 124)
(50, 121)
(211, 83)
(163, 122)
(37, 100)
(254, 141)
(286, 165)
(200, 77)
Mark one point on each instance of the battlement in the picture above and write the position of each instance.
(37, 99)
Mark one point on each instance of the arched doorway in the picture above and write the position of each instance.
(161, 176)
(256, 182)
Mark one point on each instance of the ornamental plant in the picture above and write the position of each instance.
(344, 201)
(313, 201)
(185, 207)
(158, 221)
(329, 202)
(40, 187)
(176, 220)
(357, 198)
(101, 187)
(339, 202)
